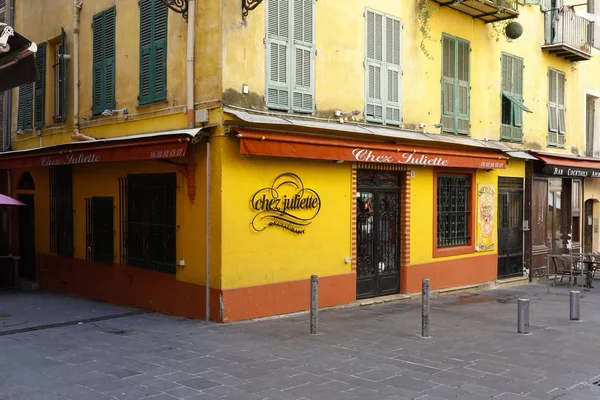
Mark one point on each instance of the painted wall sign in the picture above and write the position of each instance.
(288, 145)
(486, 210)
(286, 204)
(559, 170)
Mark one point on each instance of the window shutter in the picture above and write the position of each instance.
(560, 77)
(62, 76)
(374, 67)
(552, 108)
(3, 11)
(40, 86)
(25, 113)
(303, 58)
(97, 64)
(393, 34)
(464, 91)
(448, 83)
(109, 57)
(278, 35)
(146, 23)
(160, 51)
(517, 90)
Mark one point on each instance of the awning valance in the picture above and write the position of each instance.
(570, 167)
(261, 143)
(150, 146)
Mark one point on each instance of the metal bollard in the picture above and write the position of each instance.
(314, 304)
(523, 318)
(574, 308)
(425, 310)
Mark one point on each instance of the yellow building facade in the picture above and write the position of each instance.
(373, 145)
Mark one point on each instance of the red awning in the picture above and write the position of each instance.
(297, 146)
(570, 167)
(141, 147)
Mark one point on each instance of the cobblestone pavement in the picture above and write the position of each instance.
(366, 353)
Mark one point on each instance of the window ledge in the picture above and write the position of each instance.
(452, 251)
(153, 103)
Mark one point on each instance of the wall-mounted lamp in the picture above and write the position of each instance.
(110, 113)
(64, 56)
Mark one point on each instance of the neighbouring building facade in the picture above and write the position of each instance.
(300, 138)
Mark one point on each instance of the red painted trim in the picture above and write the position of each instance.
(454, 250)
(98, 151)
(295, 146)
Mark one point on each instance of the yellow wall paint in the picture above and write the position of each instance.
(515, 168)
(275, 255)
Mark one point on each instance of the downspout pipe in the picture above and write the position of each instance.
(191, 36)
(207, 229)
(76, 23)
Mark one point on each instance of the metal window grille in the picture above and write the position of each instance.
(99, 229)
(61, 210)
(453, 210)
(148, 225)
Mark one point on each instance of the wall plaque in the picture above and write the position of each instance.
(286, 204)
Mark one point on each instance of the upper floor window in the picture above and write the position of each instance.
(32, 96)
(153, 51)
(103, 75)
(456, 90)
(556, 108)
(512, 107)
(383, 73)
(60, 78)
(290, 55)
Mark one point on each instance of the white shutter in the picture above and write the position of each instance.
(393, 56)
(303, 61)
(278, 55)
(374, 67)
(560, 77)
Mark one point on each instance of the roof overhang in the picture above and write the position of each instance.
(165, 145)
(17, 59)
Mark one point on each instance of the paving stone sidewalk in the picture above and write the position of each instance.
(365, 353)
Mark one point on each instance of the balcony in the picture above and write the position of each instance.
(568, 36)
(485, 10)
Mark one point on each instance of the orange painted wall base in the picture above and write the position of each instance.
(286, 297)
(127, 286)
(449, 273)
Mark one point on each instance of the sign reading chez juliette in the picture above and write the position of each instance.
(434, 160)
(286, 204)
(571, 171)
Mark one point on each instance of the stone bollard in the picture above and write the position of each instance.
(523, 317)
(425, 309)
(574, 305)
(314, 304)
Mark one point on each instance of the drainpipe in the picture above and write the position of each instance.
(191, 35)
(76, 13)
(207, 229)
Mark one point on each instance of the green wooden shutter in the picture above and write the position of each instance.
(146, 22)
(109, 57)
(40, 86)
(153, 52)
(562, 128)
(278, 57)
(374, 81)
(393, 51)
(518, 93)
(552, 108)
(160, 51)
(97, 64)
(303, 57)
(25, 113)
(449, 83)
(463, 86)
(3, 11)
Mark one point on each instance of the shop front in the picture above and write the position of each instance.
(563, 194)
(111, 219)
(370, 218)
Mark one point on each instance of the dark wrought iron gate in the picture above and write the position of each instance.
(510, 227)
(378, 234)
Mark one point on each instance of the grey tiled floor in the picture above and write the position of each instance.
(370, 352)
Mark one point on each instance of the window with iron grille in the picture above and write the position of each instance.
(453, 210)
(61, 210)
(148, 221)
(99, 229)
(556, 108)
(456, 89)
(290, 55)
(383, 74)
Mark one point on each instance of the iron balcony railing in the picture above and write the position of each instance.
(568, 29)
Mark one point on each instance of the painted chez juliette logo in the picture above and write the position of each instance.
(286, 204)
(365, 155)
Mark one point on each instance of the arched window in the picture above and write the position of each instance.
(26, 182)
